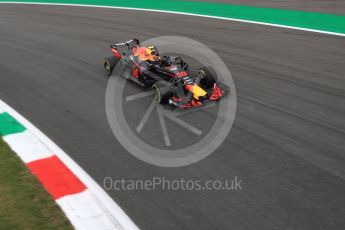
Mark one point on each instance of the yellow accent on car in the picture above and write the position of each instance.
(198, 92)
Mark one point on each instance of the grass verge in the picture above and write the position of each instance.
(24, 203)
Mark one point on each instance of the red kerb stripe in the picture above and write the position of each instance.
(56, 177)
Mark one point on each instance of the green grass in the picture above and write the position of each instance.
(24, 203)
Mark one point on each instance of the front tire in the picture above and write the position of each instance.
(161, 92)
(109, 64)
(208, 77)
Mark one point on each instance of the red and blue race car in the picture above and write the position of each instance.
(167, 76)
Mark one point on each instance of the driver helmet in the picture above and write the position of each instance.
(154, 50)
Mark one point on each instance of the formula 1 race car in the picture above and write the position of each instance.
(168, 76)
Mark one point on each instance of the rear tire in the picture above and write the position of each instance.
(109, 64)
(208, 77)
(161, 92)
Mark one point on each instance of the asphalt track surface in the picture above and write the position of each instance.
(287, 142)
(323, 6)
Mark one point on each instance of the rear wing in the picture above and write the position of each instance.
(126, 43)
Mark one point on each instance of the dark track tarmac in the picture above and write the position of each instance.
(287, 142)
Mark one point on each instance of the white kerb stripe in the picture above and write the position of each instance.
(27, 146)
(85, 212)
